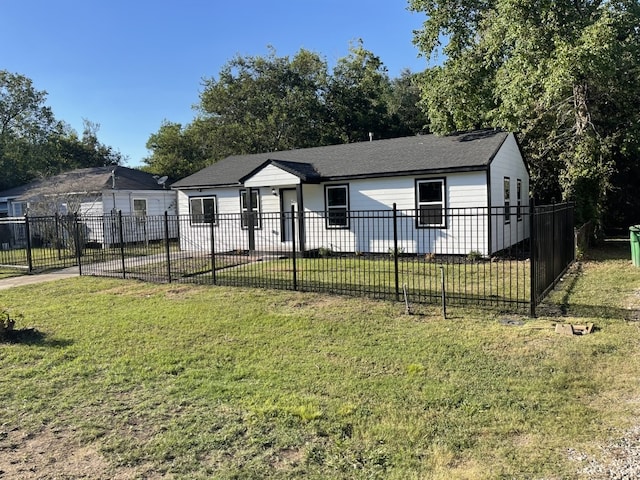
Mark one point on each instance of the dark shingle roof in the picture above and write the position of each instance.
(90, 181)
(407, 155)
(15, 191)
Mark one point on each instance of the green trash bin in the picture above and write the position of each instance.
(634, 237)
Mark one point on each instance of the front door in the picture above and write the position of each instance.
(288, 199)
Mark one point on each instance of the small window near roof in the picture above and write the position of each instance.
(430, 203)
(337, 203)
(202, 210)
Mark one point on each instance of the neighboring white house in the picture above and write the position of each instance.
(97, 195)
(454, 194)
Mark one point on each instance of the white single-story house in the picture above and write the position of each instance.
(454, 194)
(97, 195)
(9, 207)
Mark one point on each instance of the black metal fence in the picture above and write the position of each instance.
(554, 248)
(507, 258)
(39, 243)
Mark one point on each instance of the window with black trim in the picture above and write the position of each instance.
(507, 200)
(140, 207)
(202, 210)
(337, 203)
(255, 208)
(519, 199)
(430, 203)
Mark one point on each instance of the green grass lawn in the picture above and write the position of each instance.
(189, 381)
(494, 283)
(11, 272)
(41, 258)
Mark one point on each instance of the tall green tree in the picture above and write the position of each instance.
(177, 151)
(403, 105)
(357, 97)
(267, 103)
(564, 75)
(263, 104)
(26, 124)
(34, 144)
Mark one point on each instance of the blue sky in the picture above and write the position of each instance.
(129, 65)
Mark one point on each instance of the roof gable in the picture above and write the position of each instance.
(304, 171)
(380, 158)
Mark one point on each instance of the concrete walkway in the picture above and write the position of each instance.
(20, 280)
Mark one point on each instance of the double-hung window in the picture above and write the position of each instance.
(202, 210)
(430, 203)
(337, 202)
(140, 207)
(254, 211)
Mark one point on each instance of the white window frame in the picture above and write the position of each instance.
(201, 200)
(431, 203)
(335, 207)
(136, 212)
(18, 209)
(244, 210)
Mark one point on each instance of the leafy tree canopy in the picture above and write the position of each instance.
(34, 144)
(269, 103)
(564, 75)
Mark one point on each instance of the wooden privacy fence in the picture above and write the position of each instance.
(503, 258)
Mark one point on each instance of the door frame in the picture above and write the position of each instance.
(283, 221)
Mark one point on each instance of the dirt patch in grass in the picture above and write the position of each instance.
(146, 290)
(288, 458)
(311, 304)
(56, 454)
(183, 292)
(130, 289)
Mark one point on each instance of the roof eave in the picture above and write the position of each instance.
(430, 171)
(208, 185)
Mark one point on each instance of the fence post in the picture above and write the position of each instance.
(293, 247)
(250, 220)
(443, 293)
(76, 232)
(532, 258)
(27, 232)
(124, 272)
(213, 252)
(395, 251)
(166, 242)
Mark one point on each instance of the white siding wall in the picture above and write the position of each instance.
(93, 228)
(272, 176)
(508, 163)
(93, 207)
(157, 201)
(466, 231)
(150, 228)
(228, 232)
(466, 201)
